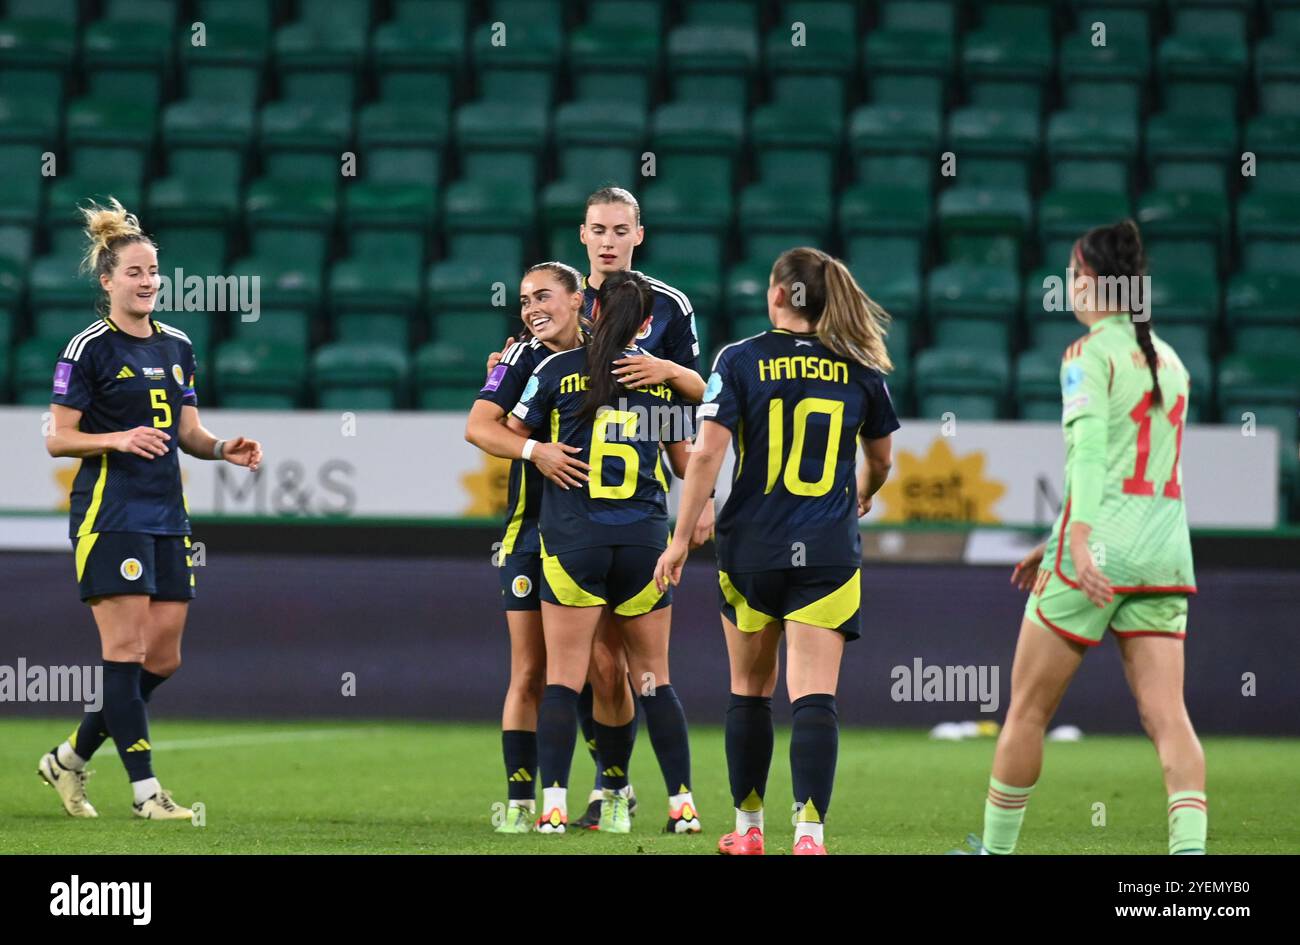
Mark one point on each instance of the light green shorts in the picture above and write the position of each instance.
(1057, 606)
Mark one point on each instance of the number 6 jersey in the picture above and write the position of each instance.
(1128, 483)
(796, 410)
(623, 502)
(120, 382)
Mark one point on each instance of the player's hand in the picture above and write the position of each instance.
(1027, 570)
(668, 569)
(142, 441)
(642, 370)
(704, 527)
(495, 356)
(1092, 582)
(557, 463)
(242, 451)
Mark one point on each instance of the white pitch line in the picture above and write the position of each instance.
(262, 738)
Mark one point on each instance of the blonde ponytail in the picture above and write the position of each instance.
(848, 321)
(107, 230)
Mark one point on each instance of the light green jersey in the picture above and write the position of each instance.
(1131, 490)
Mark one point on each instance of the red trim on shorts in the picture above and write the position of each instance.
(1148, 633)
(1065, 633)
(1128, 589)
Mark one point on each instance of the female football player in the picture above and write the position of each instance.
(1119, 557)
(598, 549)
(796, 400)
(550, 300)
(124, 400)
(667, 353)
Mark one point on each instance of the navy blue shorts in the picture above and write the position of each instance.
(134, 563)
(521, 576)
(618, 576)
(829, 597)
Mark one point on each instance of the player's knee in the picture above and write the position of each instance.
(528, 682)
(163, 666)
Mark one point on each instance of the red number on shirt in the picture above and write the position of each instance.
(1138, 484)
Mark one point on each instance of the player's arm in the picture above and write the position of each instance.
(1084, 391)
(679, 370)
(879, 454)
(201, 443)
(493, 432)
(66, 439)
(711, 445)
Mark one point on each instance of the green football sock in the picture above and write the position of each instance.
(1004, 811)
(1187, 822)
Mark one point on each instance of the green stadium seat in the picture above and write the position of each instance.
(230, 66)
(12, 279)
(462, 283)
(1065, 215)
(820, 95)
(1092, 150)
(471, 206)
(259, 375)
(38, 53)
(16, 245)
(1201, 73)
(21, 185)
(206, 144)
(1267, 386)
(1038, 384)
(501, 141)
(1009, 60)
(1047, 329)
(126, 55)
(65, 12)
(617, 54)
(374, 297)
(827, 41)
(1261, 312)
(1275, 142)
(775, 217)
(1277, 73)
(885, 229)
(933, 16)
(289, 224)
(563, 208)
(1201, 396)
(599, 142)
(33, 369)
(524, 67)
(1106, 78)
(360, 375)
(910, 67)
(23, 121)
(696, 128)
(1191, 152)
(480, 330)
(973, 306)
(60, 324)
(282, 322)
(447, 375)
(419, 51)
(890, 143)
(984, 224)
(109, 147)
(746, 296)
(1188, 338)
(194, 247)
(898, 341)
(201, 328)
(1184, 229)
(304, 139)
(995, 147)
(318, 57)
(972, 385)
(796, 146)
(712, 61)
(54, 281)
(1268, 231)
(1185, 297)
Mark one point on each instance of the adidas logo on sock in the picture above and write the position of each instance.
(141, 745)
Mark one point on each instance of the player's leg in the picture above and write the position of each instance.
(644, 617)
(573, 596)
(1041, 671)
(754, 658)
(610, 719)
(1153, 664)
(812, 675)
(520, 575)
(820, 609)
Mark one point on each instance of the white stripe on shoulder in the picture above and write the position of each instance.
(542, 363)
(725, 348)
(675, 294)
(511, 354)
(175, 332)
(73, 351)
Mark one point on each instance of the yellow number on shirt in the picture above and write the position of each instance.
(602, 448)
(158, 400)
(776, 444)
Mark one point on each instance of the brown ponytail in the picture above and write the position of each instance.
(1117, 251)
(625, 300)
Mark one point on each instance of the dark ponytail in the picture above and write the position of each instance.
(624, 301)
(1117, 251)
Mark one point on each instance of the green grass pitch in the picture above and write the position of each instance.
(401, 787)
